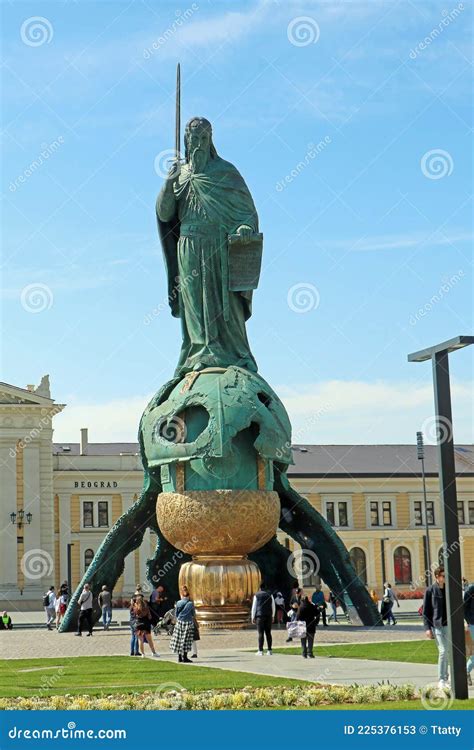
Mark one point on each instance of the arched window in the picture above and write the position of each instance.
(402, 565)
(358, 560)
(88, 557)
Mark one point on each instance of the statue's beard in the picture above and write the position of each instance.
(198, 159)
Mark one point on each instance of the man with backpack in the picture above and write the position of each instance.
(49, 604)
(85, 615)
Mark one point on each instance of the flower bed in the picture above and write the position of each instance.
(272, 697)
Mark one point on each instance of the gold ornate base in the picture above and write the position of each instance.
(221, 588)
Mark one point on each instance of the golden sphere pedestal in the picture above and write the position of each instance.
(219, 528)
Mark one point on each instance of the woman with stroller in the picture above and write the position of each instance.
(141, 612)
(183, 633)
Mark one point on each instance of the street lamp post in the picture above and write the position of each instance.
(382, 555)
(421, 456)
(439, 356)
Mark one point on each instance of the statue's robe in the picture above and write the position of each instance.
(194, 223)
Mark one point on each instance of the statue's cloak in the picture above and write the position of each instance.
(224, 199)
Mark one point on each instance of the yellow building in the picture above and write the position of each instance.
(59, 501)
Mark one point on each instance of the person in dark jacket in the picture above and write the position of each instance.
(435, 620)
(469, 617)
(263, 612)
(308, 613)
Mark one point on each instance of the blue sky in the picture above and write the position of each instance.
(365, 230)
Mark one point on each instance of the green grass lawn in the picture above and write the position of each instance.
(95, 675)
(418, 652)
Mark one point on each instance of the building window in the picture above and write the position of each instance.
(95, 514)
(470, 510)
(380, 513)
(387, 513)
(461, 517)
(336, 513)
(103, 513)
(88, 515)
(88, 557)
(358, 561)
(418, 512)
(402, 565)
(342, 510)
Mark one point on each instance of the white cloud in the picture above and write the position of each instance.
(336, 411)
(400, 241)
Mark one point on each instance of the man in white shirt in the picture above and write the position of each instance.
(86, 601)
(50, 607)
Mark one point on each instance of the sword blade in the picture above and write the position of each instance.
(178, 111)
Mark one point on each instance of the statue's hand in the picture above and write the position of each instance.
(245, 231)
(174, 171)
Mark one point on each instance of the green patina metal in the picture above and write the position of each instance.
(216, 422)
(217, 417)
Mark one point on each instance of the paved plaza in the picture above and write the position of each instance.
(235, 650)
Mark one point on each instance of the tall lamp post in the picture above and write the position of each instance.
(420, 448)
(439, 356)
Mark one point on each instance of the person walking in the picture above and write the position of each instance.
(333, 601)
(263, 612)
(49, 604)
(390, 597)
(435, 620)
(105, 603)
(374, 597)
(320, 602)
(62, 599)
(309, 614)
(142, 615)
(85, 602)
(469, 617)
(183, 633)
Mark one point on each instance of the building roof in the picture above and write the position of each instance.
(328, 460)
